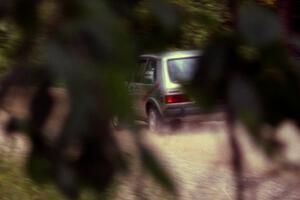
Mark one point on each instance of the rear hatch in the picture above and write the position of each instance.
(179, 71)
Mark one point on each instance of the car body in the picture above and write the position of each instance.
(156, 88)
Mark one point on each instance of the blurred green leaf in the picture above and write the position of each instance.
(259, 25)
(245, 102)
(39, 168)
(157, 170)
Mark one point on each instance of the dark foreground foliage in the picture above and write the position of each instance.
(89, 48)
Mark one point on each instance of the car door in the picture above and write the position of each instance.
(135, 88)
(148, 85)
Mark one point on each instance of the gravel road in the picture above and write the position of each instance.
(200, 163)
(198, 159)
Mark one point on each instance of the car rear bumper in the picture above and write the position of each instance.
(181, 111)
(192, 113)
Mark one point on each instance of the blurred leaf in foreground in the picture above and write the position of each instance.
(250, 72)
(153, 165)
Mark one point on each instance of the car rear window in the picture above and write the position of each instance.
(182, 69)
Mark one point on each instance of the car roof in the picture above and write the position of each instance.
(174, 54)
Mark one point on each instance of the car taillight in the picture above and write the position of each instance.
(176, 98)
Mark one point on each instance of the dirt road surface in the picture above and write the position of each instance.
(199, 161)
(198, 158)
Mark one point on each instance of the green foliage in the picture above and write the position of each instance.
(90, 48)
(201, 19)
(9, 37)
(250, 71)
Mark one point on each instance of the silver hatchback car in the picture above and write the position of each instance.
(156, 88)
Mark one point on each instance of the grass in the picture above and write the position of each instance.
(16, 185)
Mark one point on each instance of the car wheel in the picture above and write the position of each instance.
(154, 120)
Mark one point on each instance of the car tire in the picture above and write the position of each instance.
(155, 120)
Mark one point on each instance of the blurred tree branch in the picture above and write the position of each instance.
(90, 48)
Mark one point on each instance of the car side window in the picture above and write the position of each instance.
(138, 76)
(149, 74)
